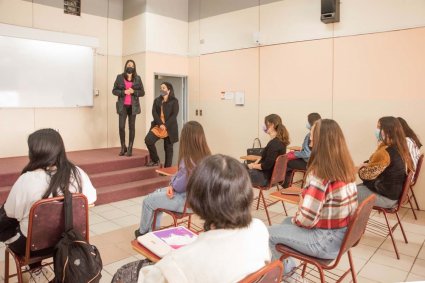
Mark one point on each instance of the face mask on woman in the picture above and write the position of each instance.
(129, 70)
(378, 134)
(265, 129)
(163, 92)
(308, 126)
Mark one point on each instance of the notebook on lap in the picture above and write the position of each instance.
(162, 242)
(291, 191)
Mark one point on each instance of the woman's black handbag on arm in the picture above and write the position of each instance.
(255, 150)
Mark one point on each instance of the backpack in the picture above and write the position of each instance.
(75, 260)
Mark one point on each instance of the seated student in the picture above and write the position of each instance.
(193, 148)
(385, 171)
(413, 142)
(299, 159)
(233, 244)
(48, 174)
(261, 170)
(328, 199)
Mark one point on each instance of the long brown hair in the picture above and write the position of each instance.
(282, 132)
(330, 159)
(193, 145)
(409, 132)
(394, 136)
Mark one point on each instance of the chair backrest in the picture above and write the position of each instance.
(271, 273)
(405, 191)
(47, 221)
(418, 170)
(357, 226)
(279, 170)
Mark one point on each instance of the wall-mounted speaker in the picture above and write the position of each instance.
(330, 11)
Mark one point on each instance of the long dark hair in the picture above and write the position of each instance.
(394, 136)
(409, 132)
(135, 70)
(193, 145)
(170, 88)
(330, 158)
(282, 132)
(47, 152)
(220, 192)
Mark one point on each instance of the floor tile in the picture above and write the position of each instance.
(363, 251)
(122, 203)
(114, 214)
(106, 277)
(382, 273)
(126, 220)
(95, 219)
(415, 242)
(419, 267)
(104, 227)
(99, 209)
(387, 258)
(134, 209)
(421, 254)
(415, 278)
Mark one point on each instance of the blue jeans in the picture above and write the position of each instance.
(363, 192)
(321, 243)
(159, 199)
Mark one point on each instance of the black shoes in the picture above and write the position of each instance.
(123, 150)
(152, 164)
(137, 233)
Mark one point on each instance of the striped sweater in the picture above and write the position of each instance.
(326, 204)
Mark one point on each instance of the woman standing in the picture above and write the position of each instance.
(164, 125)
(261, 170)
(128, 87)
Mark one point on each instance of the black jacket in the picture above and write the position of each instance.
(119, 88)
(171, 109)
(273, 149)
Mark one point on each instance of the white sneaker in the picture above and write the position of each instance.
(39, 275)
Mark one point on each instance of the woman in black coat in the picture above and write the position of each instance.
(164, 125)
(128, 87)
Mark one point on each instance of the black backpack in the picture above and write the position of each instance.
(75, 260)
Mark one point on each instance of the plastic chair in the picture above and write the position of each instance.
(271, 273)
(278, 176)
(413, 183)
(355, 231)
(45, 228)
(384, 230)
(179, 218)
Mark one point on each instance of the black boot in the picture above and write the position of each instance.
(130, 149)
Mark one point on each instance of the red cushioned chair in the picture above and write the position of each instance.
(45, 227)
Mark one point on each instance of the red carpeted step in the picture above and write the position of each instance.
(122, 176)
(124, 191)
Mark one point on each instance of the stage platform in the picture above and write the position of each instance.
(115, 177)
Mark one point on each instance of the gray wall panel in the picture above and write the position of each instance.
(133, 8)
(177, 9)
(92, 7)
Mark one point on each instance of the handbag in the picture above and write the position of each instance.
(255, 150)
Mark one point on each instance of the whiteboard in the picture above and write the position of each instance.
(38, 74)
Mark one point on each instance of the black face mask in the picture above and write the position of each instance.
(129, 70)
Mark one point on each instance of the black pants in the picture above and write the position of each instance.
(258, 178)
(19, 246)
(131, 125)
(298, 163)
(150, 141)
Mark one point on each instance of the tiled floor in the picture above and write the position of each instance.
(112, 228)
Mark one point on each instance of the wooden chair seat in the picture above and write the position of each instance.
(270, 273)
